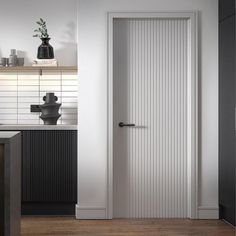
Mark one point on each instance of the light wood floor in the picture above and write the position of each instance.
(69, 226)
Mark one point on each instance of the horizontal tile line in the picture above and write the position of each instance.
(28, 85)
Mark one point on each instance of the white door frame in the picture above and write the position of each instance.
(192, 104)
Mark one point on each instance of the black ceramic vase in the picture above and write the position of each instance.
(50, 109)
(45, 50)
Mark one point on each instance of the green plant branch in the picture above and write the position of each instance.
(42, 31)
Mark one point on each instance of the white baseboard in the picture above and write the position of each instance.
(206, 213)
(90, 213)
(99, 213)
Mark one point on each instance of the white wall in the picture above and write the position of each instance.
(17, 23)
(92, 199)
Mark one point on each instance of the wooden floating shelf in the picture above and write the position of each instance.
(38, 68)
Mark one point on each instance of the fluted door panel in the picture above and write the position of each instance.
(150, 90)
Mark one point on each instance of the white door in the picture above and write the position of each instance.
(150, 90)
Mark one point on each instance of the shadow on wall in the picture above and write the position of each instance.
(68, 47)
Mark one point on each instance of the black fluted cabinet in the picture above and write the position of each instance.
(49, 172)
(227, 104)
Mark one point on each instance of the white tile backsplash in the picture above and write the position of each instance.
(26, 105)
(50, 82)
(49, 88)
(4, 100)
(69, 82)
(70, 100)
(8, 111)
(69, 110)
(19, 90)
(8, 122)
(31, 116)
(67, 88)
(9, 88)
(26, 94)
(29, 100)
(29, 122)
(28, 82)
(8, 116)
(7, 76)
(69, 94)
(32, 76)
(68, 122)
(51, 76)
(69, 116)
(23, 111)
(69, 105)
(26, 88)
(8, 82)
(8, 105)
(8, 94)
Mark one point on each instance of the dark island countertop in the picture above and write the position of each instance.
(38, 127)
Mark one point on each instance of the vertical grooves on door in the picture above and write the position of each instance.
(155, 164)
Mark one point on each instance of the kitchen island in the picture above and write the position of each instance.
(10, 183)
(49, 168)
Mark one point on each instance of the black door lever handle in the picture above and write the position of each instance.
(121, 124)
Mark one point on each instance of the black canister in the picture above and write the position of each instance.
(45, 50)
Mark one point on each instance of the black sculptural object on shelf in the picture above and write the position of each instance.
(50, 109)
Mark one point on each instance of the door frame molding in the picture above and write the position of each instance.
(192, 152)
